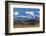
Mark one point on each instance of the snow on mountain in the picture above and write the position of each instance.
(30, 13)
(28, 16)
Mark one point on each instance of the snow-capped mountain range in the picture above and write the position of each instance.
(28, 16)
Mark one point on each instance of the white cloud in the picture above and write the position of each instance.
(31, 13)
(16, 13)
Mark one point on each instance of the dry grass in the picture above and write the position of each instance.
(25, 25)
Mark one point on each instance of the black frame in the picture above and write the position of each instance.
(6, 17)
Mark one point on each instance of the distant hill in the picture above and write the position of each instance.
(29, 18)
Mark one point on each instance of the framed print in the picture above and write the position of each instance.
(24, 17)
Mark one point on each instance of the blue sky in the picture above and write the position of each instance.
(25, 11)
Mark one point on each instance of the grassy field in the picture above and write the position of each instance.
(24, 25)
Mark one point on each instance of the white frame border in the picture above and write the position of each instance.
(31, 29)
